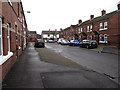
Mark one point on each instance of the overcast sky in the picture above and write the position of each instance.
(56, 14)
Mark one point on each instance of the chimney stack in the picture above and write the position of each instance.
(60, 29)
(103, 12)
(91, 16)
(80, 21)
(118, 5)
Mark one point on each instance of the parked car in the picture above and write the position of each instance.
(89, 44)
(64, 42)
(60, 40)
(39, 43)
(74, 43)
(51, 41)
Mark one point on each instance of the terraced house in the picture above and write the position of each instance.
(13, 28)
(104, 28)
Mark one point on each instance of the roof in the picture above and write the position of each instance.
(32, 32)
(100, 18)
(50, 32)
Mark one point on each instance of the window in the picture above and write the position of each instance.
(88, 28)
(10, 2)
(105, 25)
(103, 38)
(8, 37)
(91, 27)
(101, 25)
(1, 37)
(81, 29)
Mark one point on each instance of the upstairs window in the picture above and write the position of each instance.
(105, 25)
(1, 37)
(88, 28)
(81, 29)
(91, 27)
(8, 37)
(101, 25)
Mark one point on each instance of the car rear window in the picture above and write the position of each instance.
(40, 41)
(93, 41)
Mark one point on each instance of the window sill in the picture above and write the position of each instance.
(103, 29)
(5, 58)
(102, 41)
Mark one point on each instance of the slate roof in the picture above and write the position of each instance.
(100, 18)
(32, 32)
(50, 32)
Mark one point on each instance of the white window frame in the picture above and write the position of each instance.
(1, 38)
(101, 26)
(105, 25)
(88, 28)
(105, 38)
(4, 58)
(91, 27)
(81, 29)
(10, 2)
(8, 36)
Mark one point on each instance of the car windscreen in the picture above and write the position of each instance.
(93, 41)
(40, 41)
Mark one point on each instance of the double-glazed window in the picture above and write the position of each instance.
(1, 37)
(103, 26)
(103, 38)
(80, 30)
(88, 28)
(8, 37)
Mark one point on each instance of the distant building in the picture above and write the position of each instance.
(39, 36)
(47, 35)
(32, 35)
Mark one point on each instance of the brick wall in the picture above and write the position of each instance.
(11, 15)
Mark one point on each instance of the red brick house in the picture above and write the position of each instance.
(13, 29)
(32, 35)
(105, 29)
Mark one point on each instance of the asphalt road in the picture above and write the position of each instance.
(103, 63)
(42, 68)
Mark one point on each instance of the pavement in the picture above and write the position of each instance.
(32, 70)
(107, 49)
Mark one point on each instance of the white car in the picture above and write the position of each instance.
(60, 40)
(64, 42)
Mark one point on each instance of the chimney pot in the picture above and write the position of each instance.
(80, 21)
(60, 29)
(91, 16)
(103, 12)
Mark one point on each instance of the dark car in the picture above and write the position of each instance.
(39, 43)
(74, 43)
(89, 44)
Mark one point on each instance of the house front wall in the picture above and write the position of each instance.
(12, 34)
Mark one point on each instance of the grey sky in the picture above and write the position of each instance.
(56, 14)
